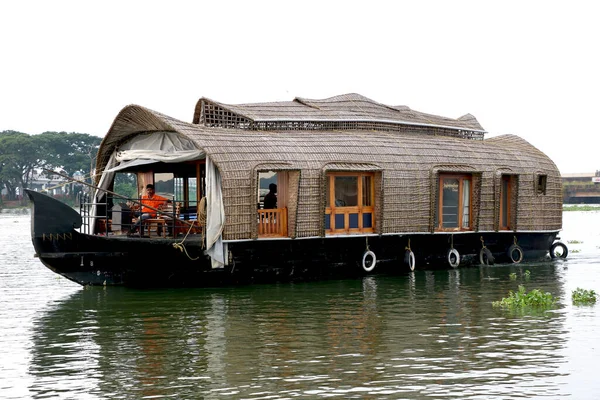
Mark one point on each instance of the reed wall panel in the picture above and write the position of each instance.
(407, 159)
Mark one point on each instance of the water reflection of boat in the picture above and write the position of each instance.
(381, 331)
(102, 342)
(362, 188)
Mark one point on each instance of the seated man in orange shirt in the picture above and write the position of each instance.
(148, 200)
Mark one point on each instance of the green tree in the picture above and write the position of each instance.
(19, 157)
(126, 184)
(69, 153)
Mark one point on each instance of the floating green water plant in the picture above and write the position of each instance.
(583, 296)
(522, 299)
(513, 275)
(580, 208)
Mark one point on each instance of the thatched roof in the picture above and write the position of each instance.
(344, 108)
(406, 159)
(312, 149)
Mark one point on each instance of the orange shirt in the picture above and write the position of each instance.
(155, 202)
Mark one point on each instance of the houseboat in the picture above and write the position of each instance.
(361, 188)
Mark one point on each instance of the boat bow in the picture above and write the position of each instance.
(51, 216)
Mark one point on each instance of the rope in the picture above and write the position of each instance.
(201, 221)
(181, 247)
(63, 184)
(202, 218)
(202, 210)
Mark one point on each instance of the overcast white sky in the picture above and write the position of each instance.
(530, 68)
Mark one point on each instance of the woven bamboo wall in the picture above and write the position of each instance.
(293, 201)
(407, 163)
(310, 202)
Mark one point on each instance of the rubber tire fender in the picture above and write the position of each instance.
(511, 251)
(486, 257)
(453, 254)
(559, 244)
(364, 261)
(409, 259)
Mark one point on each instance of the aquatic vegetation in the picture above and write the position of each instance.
(559, 249)
(513, 275)
(521, 299)
(583, 296)
(577, 207)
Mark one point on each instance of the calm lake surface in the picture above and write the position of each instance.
(421, 335)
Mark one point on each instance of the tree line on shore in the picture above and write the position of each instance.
(24, 156)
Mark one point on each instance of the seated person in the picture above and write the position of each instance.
(270, 200)
(150, 199)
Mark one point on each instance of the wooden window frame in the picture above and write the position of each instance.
(273, 222)
(506, 205)
(541, 182)
(461, 178)
(359, 209)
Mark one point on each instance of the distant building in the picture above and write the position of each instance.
(53, 185)
(581, 188)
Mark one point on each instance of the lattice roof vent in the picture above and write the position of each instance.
(344, 112)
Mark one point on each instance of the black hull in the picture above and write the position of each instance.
(153, 262)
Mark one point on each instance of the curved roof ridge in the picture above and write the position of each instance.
(352, 107)
(135, 119)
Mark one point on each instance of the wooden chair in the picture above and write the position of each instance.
(156, 225)
(191, 226)
(167, 214)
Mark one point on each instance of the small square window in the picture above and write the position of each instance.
(349, 206)
(541, 184)
(454, 206)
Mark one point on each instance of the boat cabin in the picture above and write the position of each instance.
(343, 166)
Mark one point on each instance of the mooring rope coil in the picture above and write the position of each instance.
(202, 222)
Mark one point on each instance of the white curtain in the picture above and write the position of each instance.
(171, 147)
(215, 216)
(466, 203)
(168, 147)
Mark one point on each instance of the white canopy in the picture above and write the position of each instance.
(170, 147)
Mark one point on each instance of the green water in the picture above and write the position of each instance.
(431, 334)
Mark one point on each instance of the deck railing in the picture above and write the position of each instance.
(119, 220)
(272, 222)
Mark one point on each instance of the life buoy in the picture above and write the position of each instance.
(366, 264)
(553, 253)
(453, 258)
(486, 257)
(409, 259)
(515, 254)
